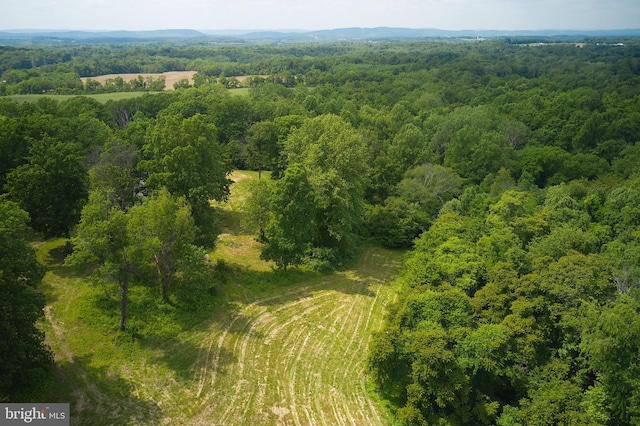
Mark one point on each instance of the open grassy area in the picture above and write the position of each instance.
(100, 97)
(104, 97)
(241, 91)
(269, 348)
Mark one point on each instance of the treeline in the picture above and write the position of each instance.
(59, 68)
(511, 172)
(519, 305)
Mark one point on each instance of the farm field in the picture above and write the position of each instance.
(171, 77)
(105, 97)
(274, 349)
(100, 97)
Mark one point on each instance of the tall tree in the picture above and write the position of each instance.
(162, 231)
(257, 206)
(288, 234)
(335, 158)
(430, 185)
(116, 174)
(610, 343)
(51, 186)
(262, 151)
(13, 150)
(26, 361)
(102, 239)
(408, 149)
(183, 155)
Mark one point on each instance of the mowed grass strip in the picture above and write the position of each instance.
(270, 348)
(297, 356)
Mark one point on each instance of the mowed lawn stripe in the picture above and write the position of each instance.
(300, 361)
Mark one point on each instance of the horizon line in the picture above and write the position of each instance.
(312, 30)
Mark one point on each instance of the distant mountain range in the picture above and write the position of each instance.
(296, 35)
(387, 32)
(96, 35)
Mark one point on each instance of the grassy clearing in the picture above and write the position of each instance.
(296, 355)
(100, 97)
(241, 91)
(104, 97)
(271, 348)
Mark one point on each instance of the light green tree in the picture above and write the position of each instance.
(101, 236)
(430, 186)
(162, 231)
(610, 343)
(116, 174)
(257, 206)
(262, 151)
(103, 239)
(183, 155)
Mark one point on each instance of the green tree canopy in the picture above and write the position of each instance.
(288, 234)
(335, 159)
(162, 231)
(262, 150)
(26, 361)
(183, 155)
(51, 186)
(102, 239)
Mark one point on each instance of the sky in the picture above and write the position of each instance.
(319, 14)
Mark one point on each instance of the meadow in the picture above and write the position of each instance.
(100, 97)
(267, 348)
(105, 97)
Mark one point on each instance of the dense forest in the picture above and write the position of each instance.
(508, 170)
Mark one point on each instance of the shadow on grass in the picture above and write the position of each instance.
(159, 326)
(269, 288)
(230, 220)
(57, 255)
(155, 331)
(374, 266)
(99, 397)
(184, 359)
(174, 336)
(52, 255)
(97, 394)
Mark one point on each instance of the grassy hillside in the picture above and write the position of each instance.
(267, 348)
